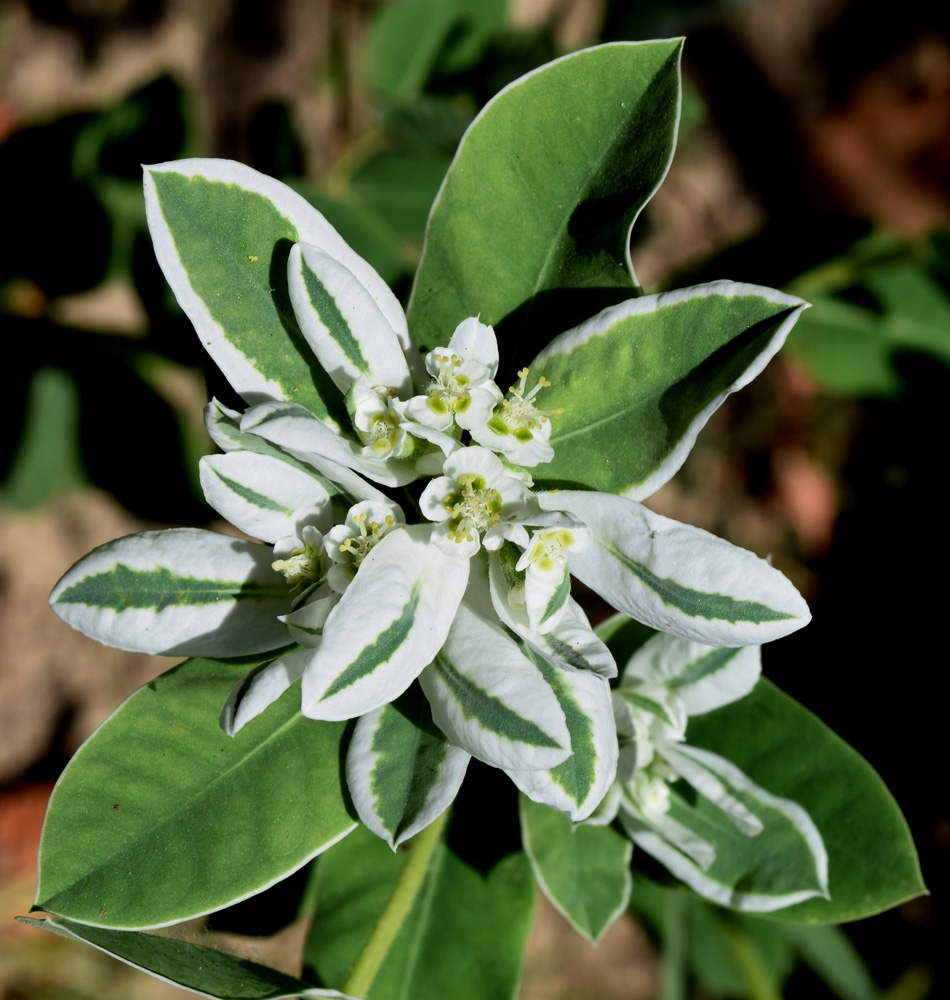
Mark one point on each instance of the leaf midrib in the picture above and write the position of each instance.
(129, 845)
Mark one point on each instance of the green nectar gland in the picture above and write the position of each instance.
(517, 414)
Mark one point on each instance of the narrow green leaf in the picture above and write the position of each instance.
(205, 971)
(546, 185)
(647, 374)
(832, 956)
(464, 937)
(584, 870)
(872, 864)
(160, 816)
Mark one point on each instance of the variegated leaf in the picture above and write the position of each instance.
(677, 578)
(646, 375)
(343, 323)
(298, 432)
(784, 864)
(571, 644)
(577, 785)
(224, 428)
(704, 677)
(264, 496)
(222, 234)
(260, 688)
(182, 592)
(401, 770)
(489, 698)
(389, 624)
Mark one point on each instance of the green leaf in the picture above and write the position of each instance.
(47, 459)
(584, 870)
(833, 958)
(872, 864)
(546, 185)
(160, 816)
(736, 842)
(205, 971)
(647, 374)
(401, 770)
(735, 955)
(463, 938)
(408, 38)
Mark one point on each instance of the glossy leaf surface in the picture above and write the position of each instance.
(531, 208)
(160, 816)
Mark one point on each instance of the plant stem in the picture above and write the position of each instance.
(421, 849)
(673, 961)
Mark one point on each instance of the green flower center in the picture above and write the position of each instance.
(516, 414)
(448, 390)
(473, 508)
(358, 547)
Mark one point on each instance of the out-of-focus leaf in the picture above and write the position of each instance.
(47, 459)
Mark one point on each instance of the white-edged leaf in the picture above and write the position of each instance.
(389, 624)
(306, 622)
(299, 432)
(704, 677)
(207, 972)
(343, 323)
(224, 427)
(677, 578)
(646, 374)
(584, 870)
(577, 785)
(401, 770)
(571, 644)
(784, 864)
(260, 688)
(263, 496)
(222, 234)
(697, 774)
(181, 592)
(489, 698)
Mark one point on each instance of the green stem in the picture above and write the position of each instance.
(673, 960)
(421, 849)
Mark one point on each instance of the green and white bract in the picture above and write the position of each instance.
(736, 843)
(403, 535)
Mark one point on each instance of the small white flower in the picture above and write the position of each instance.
(376, 420)
(349, 543)
(547, 579)
(461, 373)
(513, 426)
(473, 501)
(301, 560)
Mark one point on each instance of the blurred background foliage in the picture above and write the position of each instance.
(814, 155)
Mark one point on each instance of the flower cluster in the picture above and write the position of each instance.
(404, 539)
